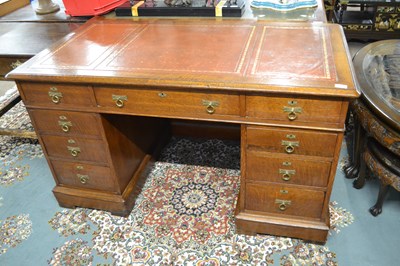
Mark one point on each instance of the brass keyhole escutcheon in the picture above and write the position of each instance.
(210, 109)
(119, 103)
(162, 94)
(289, 149)
(286, 177)
(292, 116)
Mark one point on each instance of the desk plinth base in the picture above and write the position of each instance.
(251, 224)
(71, 198)
(117, 204)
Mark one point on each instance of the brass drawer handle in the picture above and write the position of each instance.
(290, 145)
(119, 100)
(286, 177)
(74, 151)
(292, 116)
(289, 149)
(65, 125)
(210, 106)
(283, 204)
(83, 178)
(286, 174)
(292, 112)
(55, 95)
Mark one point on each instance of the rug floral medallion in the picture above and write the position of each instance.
(184, 216)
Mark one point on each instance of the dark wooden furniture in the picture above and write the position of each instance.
(23, 34)
(376, 139)
(368, 19)
(110, 90)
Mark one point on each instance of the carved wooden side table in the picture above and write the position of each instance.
(376, 139)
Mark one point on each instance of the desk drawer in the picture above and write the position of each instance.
(284, 200)
(263, 166)
(84, 175)
(79, 149)
(293, 109)
(68, 123)
(168, 103)
(291, 141)
(57, 95)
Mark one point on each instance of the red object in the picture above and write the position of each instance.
(90, 7)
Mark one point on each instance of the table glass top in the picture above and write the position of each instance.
(378, 71)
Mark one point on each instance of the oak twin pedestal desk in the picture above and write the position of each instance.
(102, 99)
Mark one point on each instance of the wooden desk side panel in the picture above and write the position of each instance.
(130, 139)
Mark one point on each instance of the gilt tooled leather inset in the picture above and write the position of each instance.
(291, 54)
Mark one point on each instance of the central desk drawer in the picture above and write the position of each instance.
(284, 200)
(63, 122)
(292, 141)
(264, 166)
(84, 175)
(168, 103)
(79, 149)
(57, 95)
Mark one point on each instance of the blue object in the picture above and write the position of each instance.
(283, 5)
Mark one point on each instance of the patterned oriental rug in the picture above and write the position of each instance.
(184, 215)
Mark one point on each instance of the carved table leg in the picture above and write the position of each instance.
(377, 208)
(360, 181)
(351, 170)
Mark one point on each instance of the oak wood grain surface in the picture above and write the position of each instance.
(286, 85)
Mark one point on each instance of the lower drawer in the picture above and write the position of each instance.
(263, 166)
(284, 200)
(79, 149)
(84, 176)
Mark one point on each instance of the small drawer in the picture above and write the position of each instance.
(263, 166)
(57, 95)
(68, 123)
(74, 148)
(284, 200)
(290, 141)
(293, 109)
(84, 175)
(168, 103)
